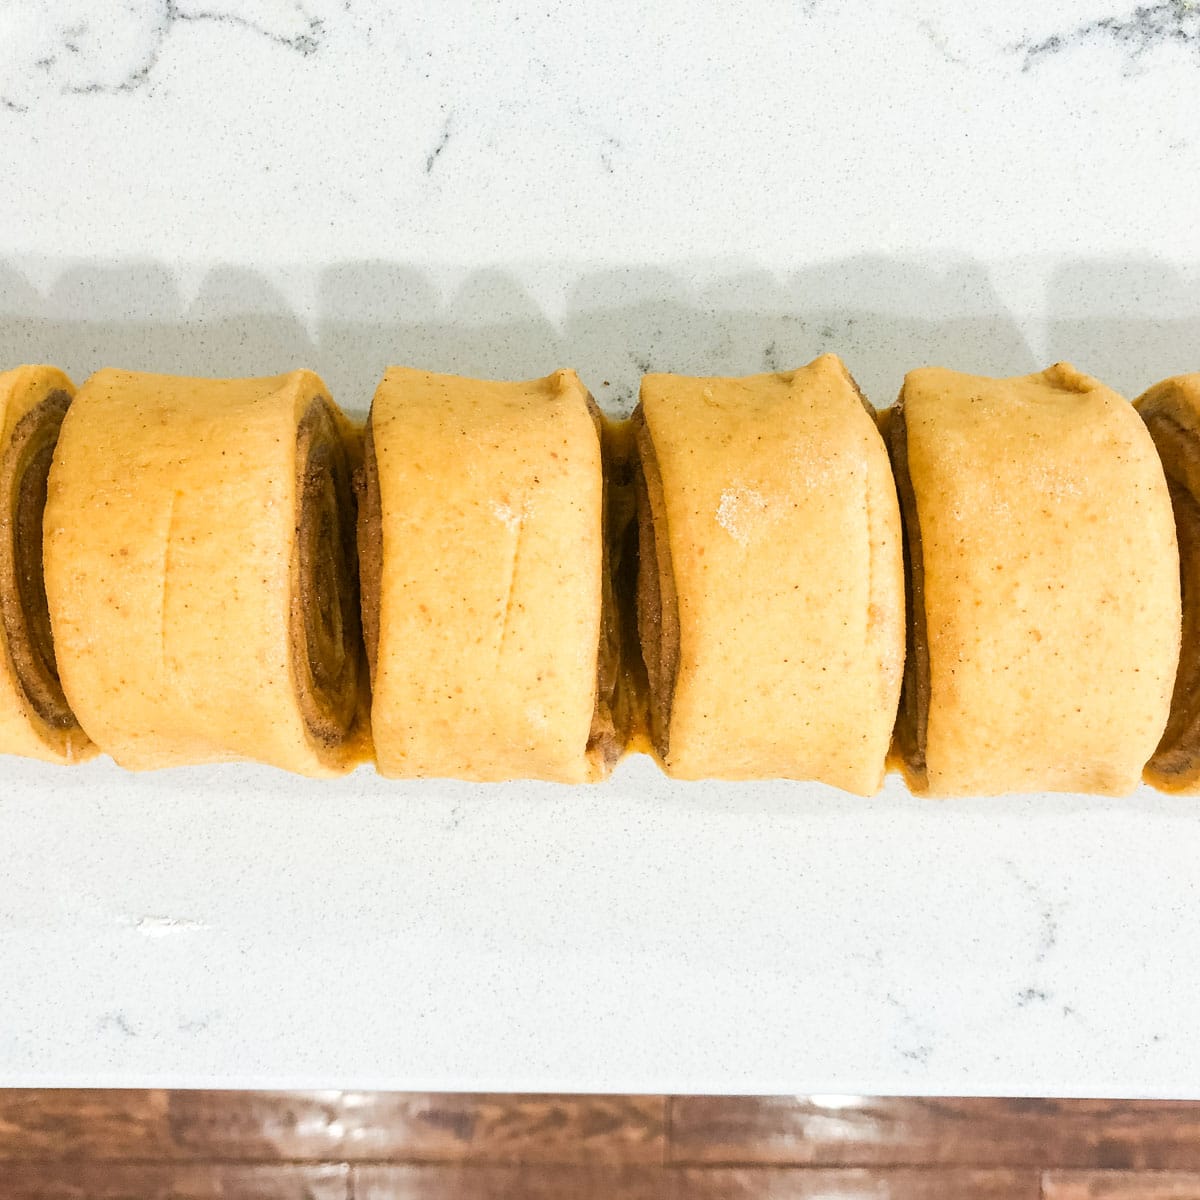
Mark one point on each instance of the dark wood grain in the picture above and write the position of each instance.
(545, 1181)
(108, 1145)
(316, 1126)
(687, 1183)
(178, 1181)
(84, 1123)
(1121, 1185)
(847, 1131)
(438, 1128)
(880, 1183)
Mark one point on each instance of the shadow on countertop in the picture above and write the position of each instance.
(616, 324)
(882, 315)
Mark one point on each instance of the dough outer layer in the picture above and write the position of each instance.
(785, 548)
(1051, 582)
(487, 584)
(171, 539)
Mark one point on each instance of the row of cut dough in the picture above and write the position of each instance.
(491, 581)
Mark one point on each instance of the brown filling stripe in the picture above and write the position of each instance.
(324, 619)
(1178, 755)
(912, 721)
(606, 738)
(657, 600)
(370, 546)
(24, 612)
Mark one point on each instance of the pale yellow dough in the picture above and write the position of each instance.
(785, 544)
(172, 568)
(1051, 582)
(490, 578)
(28, 724)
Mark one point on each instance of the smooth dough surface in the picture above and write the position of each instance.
(35, 719)
(1051, 582)
(1171, 410)
(785, 549)
(172, 547)
(488, 583)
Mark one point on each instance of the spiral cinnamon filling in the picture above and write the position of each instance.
(370, 547)
(324, 620)
(1177, 759)
(24, 469)
(657, 601)
(912, 721)
(610, 728)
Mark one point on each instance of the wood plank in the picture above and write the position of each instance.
(544, 1181)
(550, 1182)
(855, 1183)
(393, 1126)
(179, 1181)
(862, 1131)
(1121, 1185)
(84, 1123)
(314, 1126)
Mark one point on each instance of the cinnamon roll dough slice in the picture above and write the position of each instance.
(483, 563)
(1171, 410)
(35, 718)
(771, 587)
(201, 575)
(1045, 584)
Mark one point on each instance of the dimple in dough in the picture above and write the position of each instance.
(1046, 581)
(35, 718)
(481, 536)
(200, 571)
(782, 560)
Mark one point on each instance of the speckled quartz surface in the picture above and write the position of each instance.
(245, 188)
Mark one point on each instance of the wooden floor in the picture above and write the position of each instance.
(389, 1146)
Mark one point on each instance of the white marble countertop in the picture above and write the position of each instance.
(505, 189)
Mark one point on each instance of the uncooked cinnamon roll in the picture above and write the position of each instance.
(35, 718)
(491, 644)
(771, 588)
(1045, 608)
(201, 575)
